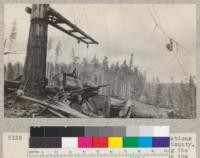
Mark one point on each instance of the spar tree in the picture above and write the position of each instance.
(35, 63)
(34, 80)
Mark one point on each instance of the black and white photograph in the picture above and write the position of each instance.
(100, 61)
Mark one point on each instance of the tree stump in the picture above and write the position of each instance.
(35, 63)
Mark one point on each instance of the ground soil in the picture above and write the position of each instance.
(17, 108)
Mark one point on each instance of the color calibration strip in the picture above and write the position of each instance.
(99, 142)
(102, 131)
(13, 142)
(100, 137)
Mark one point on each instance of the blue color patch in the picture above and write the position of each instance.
(145, 142)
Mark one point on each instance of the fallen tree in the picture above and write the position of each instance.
(11, 84)
(60, 107)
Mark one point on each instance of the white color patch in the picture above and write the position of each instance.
(161, 131)
(69, 142)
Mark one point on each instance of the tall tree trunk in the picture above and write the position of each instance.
(35, 63)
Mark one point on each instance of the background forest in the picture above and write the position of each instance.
(123, 79)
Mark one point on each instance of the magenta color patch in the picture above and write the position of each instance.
(85, 142)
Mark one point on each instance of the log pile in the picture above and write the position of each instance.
(63, 103)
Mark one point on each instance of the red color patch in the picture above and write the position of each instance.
(100, 142)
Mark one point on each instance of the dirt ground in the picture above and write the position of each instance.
(17, 108)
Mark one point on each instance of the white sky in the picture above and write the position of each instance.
(120, 30)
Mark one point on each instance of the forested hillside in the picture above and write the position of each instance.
(123, 79)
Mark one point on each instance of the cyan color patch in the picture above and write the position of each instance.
(145, 142)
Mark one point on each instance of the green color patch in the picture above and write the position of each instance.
(130, 142)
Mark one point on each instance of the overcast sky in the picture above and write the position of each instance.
(120, 30)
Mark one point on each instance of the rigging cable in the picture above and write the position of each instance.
(179, 61)
(157, 25)
(159, 66)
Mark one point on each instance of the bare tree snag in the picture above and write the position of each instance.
(35, 63)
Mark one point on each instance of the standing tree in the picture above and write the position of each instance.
(5, 70)
(17, 70)
(182, 100)
(13, 35)
(158, 95)
(95, 63)
(49, 44)
(75, 59)
(105, 64)
(57, 54)
(48, 67)
(131, 62)
(10, 72)
(35, 63)
(105, 74)
(116, 72)
(85, 74)
(192, 97)
(170, 98)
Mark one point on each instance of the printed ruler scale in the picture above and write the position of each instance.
(98, 153)
(17, 144)
(99, 142)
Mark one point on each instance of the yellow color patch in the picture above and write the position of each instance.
(115, 142)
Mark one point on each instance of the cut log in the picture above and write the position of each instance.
(142, 110)
(61, 107)
(51, 90)
(51, 111)
(66, 108)
(56, 113)
(11, 84)
(138, 109)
